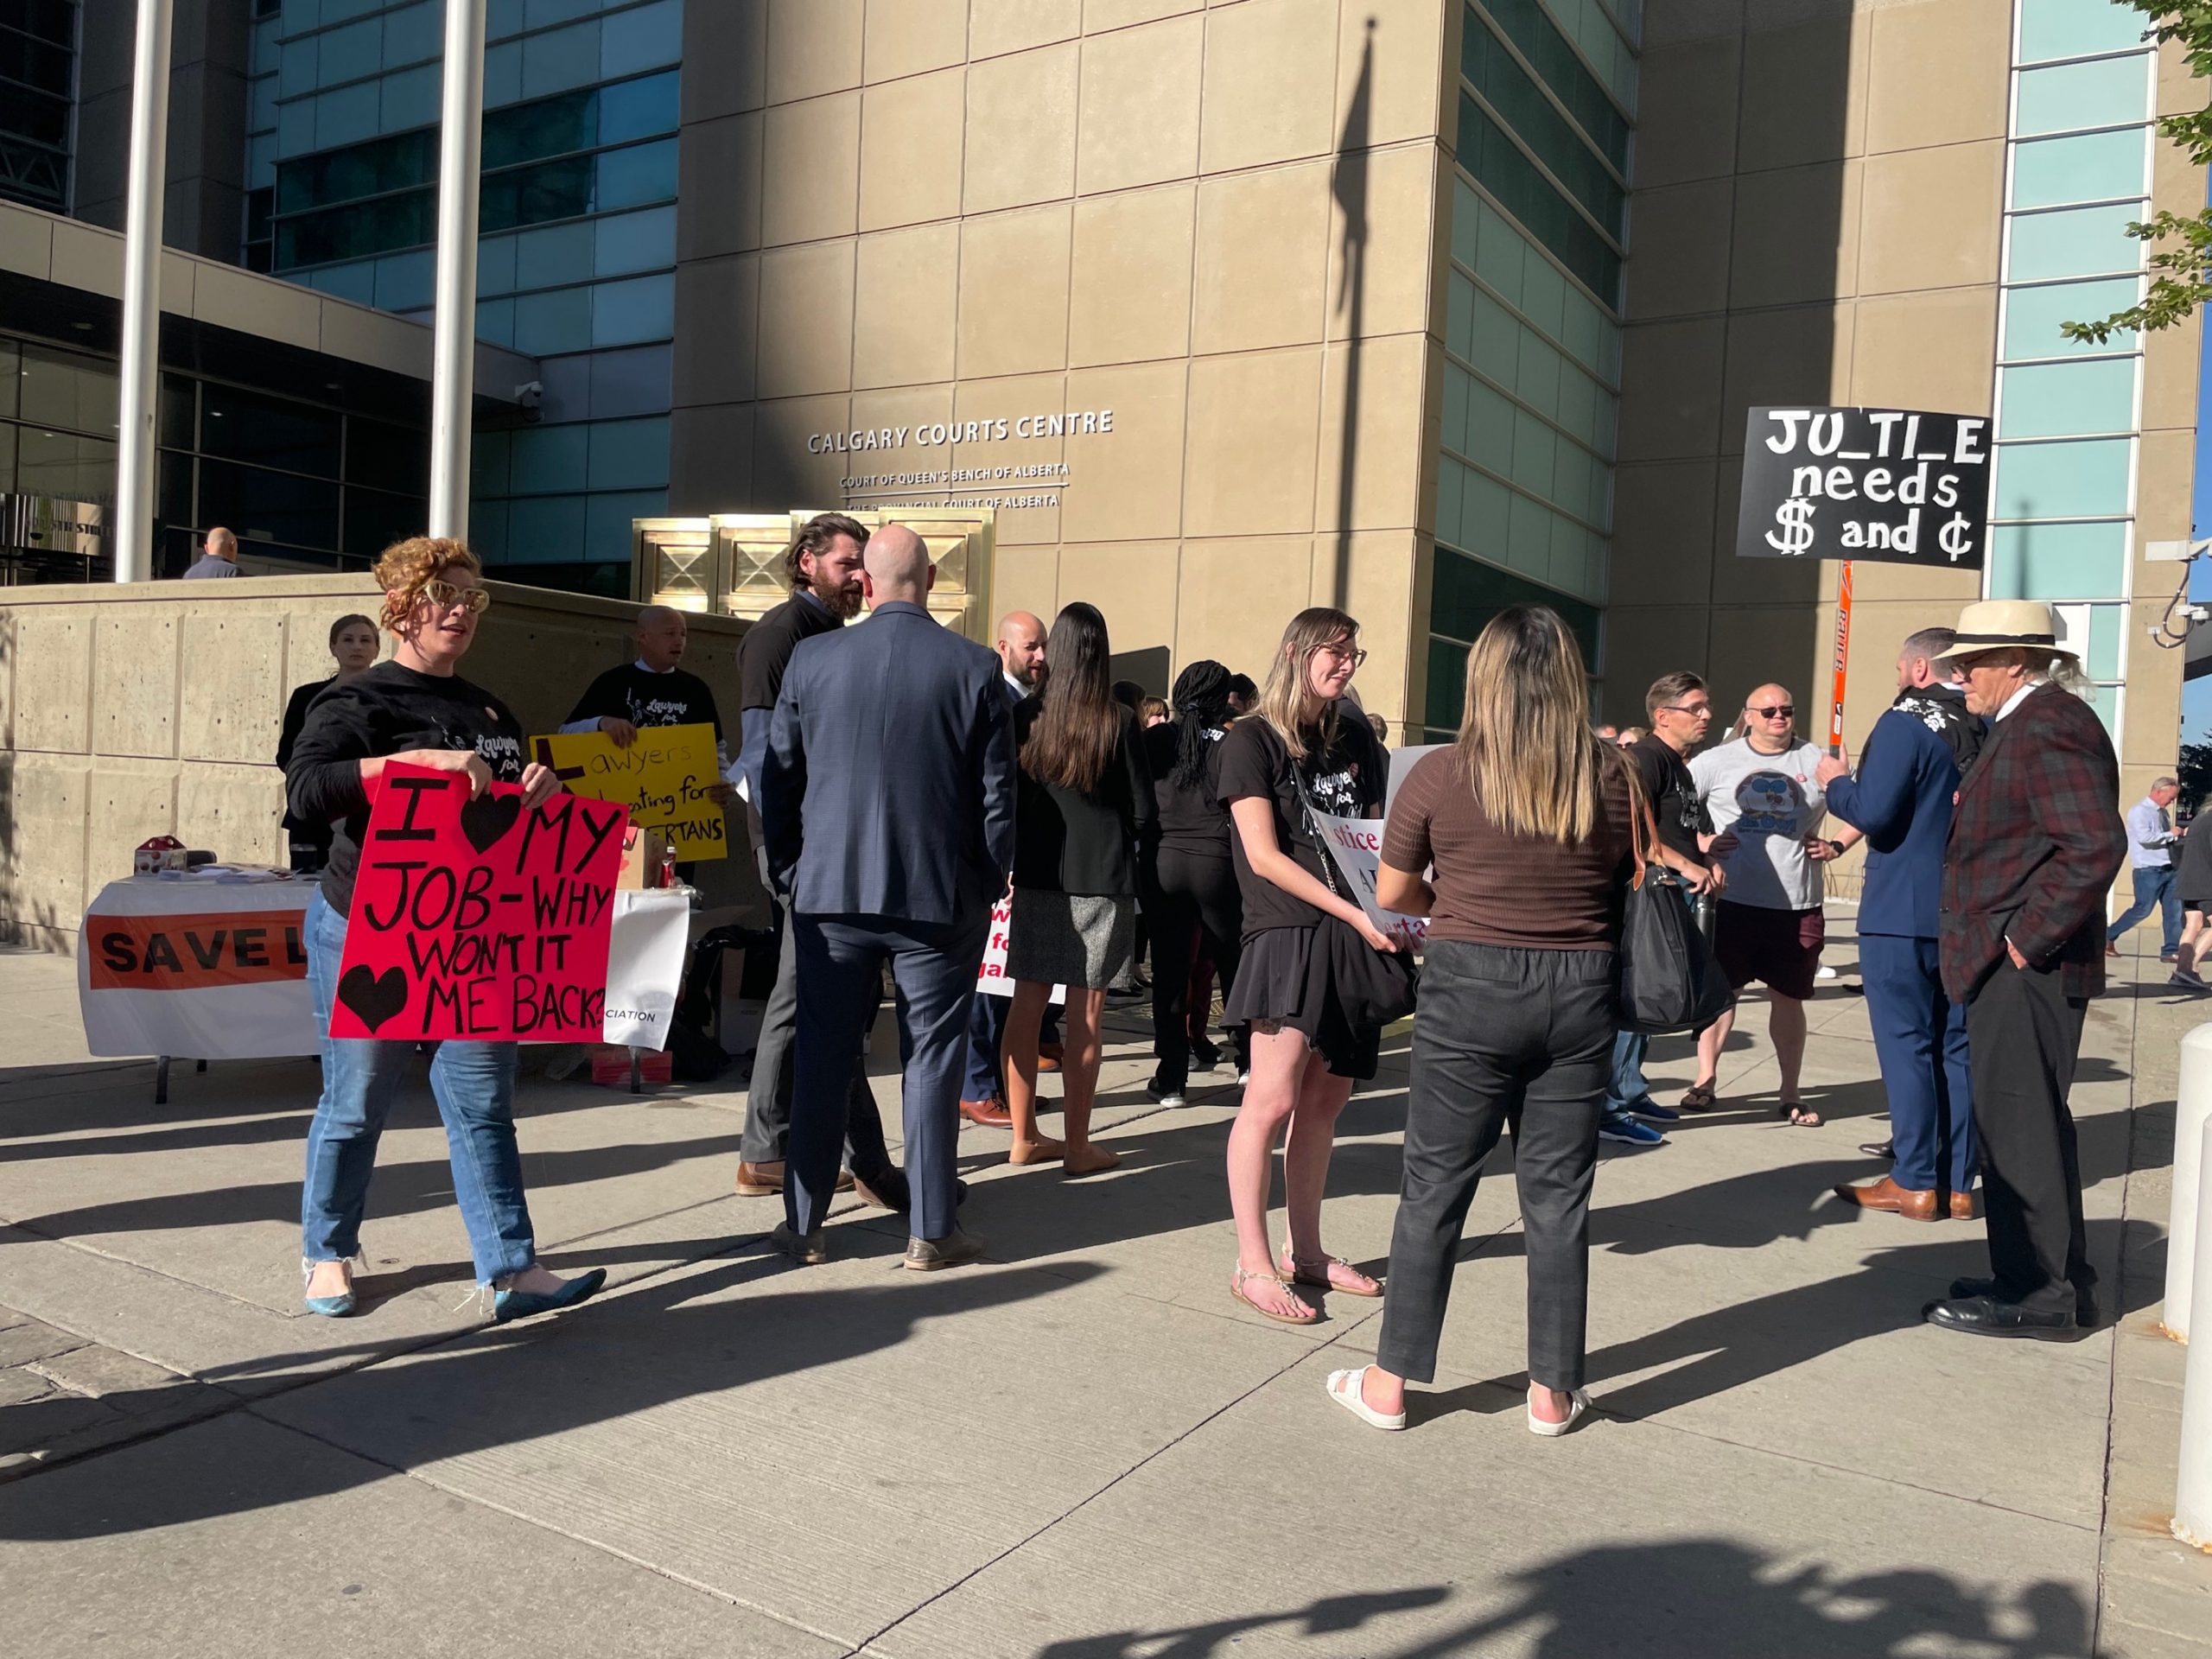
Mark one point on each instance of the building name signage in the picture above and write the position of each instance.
(1074, 423)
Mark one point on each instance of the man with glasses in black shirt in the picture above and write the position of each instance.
(1680, 711)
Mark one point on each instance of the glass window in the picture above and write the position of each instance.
(642, 38)
(1534, 445)
(545, 530)
(554, 257)
(632, 242)
(409, 98)
(560, 58)
(271, 431)
(488, 463)
(398, 162)
(1498, 165)
(405, 281)
(2089, 166)
(1506, 86)
(559, 321)
(495, 265)
(1460, 325)
(62, 388)
(2073, 242)
(2107, 623)
(631, 313)
(172, 418)
(374, 521)
(1490, 423)
(1524, 22)
(537, 195)
(2056, 561)
(2075, 29)
(2087, 479)
(552, 126)
(2104, 93)
(173, 487)
(606, 521)
(1536, 379)
(1466, 594)
(389, 457)
(546, 460)
(1447, 675)
(636, 108)
(640, 174)
(629, 454)
(2032, 316)
(296, 69)
(347, 116)
(495, 322)
(1456, 382)
(631, 383)
(413, 33)
(266, 506)
(1450, 487)
(1485, 516)
(2056, 400)
(364, 228)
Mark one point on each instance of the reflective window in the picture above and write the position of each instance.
(64, 389)
(1507, 87)
(2056, 400)
(631, 313)
(2069, 96)
(629, 454)
(2053, 562)
(1498, 165)
(2033, 315)
(1538, 39)
(268, 506)
(533, 195)
(2073, 242)
(636, 108)
(638, 175)
(2087, 479)
(2075, 29)
(374, 521)
(276, 432)
(2089, 166)
(390, 457)
(37, 86)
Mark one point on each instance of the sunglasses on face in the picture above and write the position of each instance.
(443, 596)
(1775, 711)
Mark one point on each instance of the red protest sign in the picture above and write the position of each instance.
(479, 920)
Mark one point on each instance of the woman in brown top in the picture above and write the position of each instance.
(1527, 822)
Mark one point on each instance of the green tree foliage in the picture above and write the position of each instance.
(2180, 254)
(2194, 774)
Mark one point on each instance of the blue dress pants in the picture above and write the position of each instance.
(1920, 1039)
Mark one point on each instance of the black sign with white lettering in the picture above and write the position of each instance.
(1896, 484)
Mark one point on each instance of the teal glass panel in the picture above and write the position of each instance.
(1459, 318)
(1578, 405)
(544, 459)
(2058, 400)
(2106, 701)
(2075, 29)
(1456, 381)
(2106, 622)
(1491, 419)
(553, 257)
(1485, 516)
(1495, 347)
(2105, 92)
(1521, 104)
(1535, 445)
(2087, 479)
(607, 522)
(1466, 222)
(1500, 254)
(1451, 483)
(1466, 594)
(1536, 379)
(633, 177)
(2073, 242)
(2058, 561)
(2089, 166)
(2032, 316)
(1447, 678)
(1528, 537)
(1524, 22)
(1499, 165)
(629, 454)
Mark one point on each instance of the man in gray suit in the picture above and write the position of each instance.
(887, 807)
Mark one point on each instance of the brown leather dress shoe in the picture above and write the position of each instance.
(1886, 1194)
(766, 1180)
(988, 1114)
(1049, 1056)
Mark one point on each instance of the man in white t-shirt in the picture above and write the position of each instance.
(1764, 793)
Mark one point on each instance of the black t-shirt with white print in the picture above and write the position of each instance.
(388, 710)
(646, 699)
(1344, 779)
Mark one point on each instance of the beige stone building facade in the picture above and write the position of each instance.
(1422, 307)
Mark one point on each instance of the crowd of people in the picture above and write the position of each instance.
(901, 782)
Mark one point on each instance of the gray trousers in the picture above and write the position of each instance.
(1503, 1037)
(768, 1102)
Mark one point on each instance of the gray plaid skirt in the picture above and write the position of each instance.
(1070, 938)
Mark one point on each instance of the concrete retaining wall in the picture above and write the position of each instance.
(153, 708)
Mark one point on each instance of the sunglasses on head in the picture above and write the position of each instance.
(1775, 711)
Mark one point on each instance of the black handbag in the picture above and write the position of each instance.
(1375, 987)
(1669, 982)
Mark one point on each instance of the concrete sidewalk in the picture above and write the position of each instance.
(1082, 1449)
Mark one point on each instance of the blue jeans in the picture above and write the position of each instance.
(1628, 1086)
(475, 1083)
(2154, 889)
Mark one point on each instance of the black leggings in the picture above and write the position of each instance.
(1193, 897)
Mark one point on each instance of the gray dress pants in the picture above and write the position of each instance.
(768, 1100)
(1503, 1036)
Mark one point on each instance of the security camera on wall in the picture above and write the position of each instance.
(529, 397)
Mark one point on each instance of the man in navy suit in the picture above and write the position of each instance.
(1900, 803)
(887, 800)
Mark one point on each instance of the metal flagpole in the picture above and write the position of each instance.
(1842, 659)
(131, 537)
(452, 382)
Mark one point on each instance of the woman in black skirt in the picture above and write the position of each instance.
(1086, 804)
(1294, 750)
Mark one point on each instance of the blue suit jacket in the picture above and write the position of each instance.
(888, 786)
(1901, 798)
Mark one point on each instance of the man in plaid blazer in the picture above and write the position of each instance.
(2036, 842)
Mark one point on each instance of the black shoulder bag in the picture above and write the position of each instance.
(1376, 988)
(1669, 982)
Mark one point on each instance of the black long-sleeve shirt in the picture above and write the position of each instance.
(1066, 840)
(388, 710)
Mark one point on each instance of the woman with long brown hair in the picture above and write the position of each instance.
(1527, 820)
(1085, 804)
(1295, 757)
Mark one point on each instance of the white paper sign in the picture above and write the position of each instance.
(644, 965)
(1355, 845)
(992, 981)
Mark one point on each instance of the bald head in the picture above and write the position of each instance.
(1770, 719)
(1022, 646)
(897, 566)
(221, 544)
(662, 634)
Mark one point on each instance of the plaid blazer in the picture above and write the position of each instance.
(2035, 844)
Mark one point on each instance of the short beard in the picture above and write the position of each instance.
(843, 603)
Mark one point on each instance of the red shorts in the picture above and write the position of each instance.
(1782, 947)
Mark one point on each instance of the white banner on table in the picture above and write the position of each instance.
(1355, 845)
(992, 981)
(201, 969)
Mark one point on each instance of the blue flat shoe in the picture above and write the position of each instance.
(332, 1307)
(522, 1304)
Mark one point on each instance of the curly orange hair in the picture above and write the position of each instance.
(404, 569)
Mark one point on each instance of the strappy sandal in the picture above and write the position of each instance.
(1320, 1275)
(1700, 1098)
(1236, 1289)
(1346, 1389)
(1800, 1116)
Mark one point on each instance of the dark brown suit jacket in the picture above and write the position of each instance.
(2035, 844)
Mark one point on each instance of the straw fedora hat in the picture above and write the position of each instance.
(2003, 623)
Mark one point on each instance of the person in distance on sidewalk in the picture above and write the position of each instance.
(1527, 821)
(888, 804)
(1901, 801)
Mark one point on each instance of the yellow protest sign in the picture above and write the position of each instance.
(663, 777)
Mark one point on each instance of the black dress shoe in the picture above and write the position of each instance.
(1985, 1315)
(2085, 1301)
(1879, 1148)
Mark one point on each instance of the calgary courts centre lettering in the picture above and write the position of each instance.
(1075, 422)
(1034, 484)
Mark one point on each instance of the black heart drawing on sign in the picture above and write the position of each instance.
(487, 818)
(374, 997)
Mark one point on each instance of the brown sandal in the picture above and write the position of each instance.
(1236, 1289)
(1700, 1098)
(1317, 1274)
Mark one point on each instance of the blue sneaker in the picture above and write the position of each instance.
(1651, 1108)
(1629, 1131)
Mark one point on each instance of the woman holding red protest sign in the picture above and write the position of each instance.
(414, 709)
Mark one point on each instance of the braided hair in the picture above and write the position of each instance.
(1201, 705)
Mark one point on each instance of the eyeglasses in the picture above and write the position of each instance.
(1686, 707)
(1344, 654)
(1775, 711)
(443, 596)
